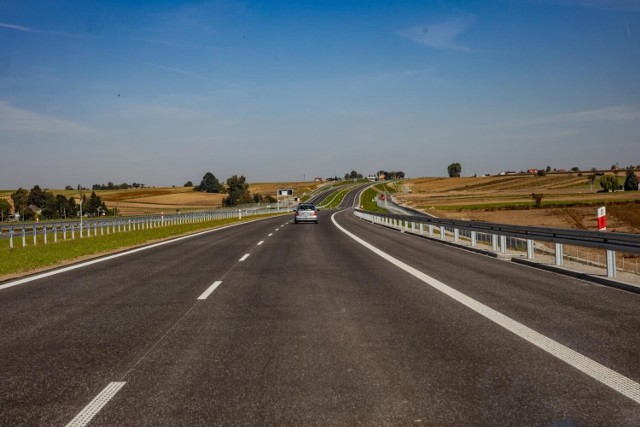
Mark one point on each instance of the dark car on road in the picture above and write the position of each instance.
(306, 212)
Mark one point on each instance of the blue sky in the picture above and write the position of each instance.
(161, 92)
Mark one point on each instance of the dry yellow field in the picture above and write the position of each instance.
(141, 201)
(507, 199)
(169, 199)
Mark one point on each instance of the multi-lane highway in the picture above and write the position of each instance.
(340, 323)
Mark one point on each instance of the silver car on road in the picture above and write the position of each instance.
(306, 212)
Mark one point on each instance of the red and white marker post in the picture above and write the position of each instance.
(602, 219)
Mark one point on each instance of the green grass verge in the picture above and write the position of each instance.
(368, 201)
(25, 259)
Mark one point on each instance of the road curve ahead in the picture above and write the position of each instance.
(339, 323)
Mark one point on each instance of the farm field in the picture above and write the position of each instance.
(153, 200)
(568, 201)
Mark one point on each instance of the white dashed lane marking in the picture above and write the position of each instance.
(211, 288)
(86, 415)
(244, 257)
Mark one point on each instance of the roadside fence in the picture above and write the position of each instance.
(608, 250)
(21, 235)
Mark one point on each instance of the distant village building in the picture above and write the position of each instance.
(532, 171)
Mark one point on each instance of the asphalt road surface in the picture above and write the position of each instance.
(272, 323)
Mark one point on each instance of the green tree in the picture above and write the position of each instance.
(36, 197)
(209, 184)
(50, 207)
(5, 209)
(94, 205)
(20, 201)
(238, 190)
(609, 183)
(454, 170)
(631, 180)
(188, 184)
(353, 175)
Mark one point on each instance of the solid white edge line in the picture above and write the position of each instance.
(211, 288)
(110, 257)
(244, 257)
(85, 416)
(595, 370)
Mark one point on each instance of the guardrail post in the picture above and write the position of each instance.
(530, 249)
(611, 264)
(559, 254)
(443, 234)
(64, 231)
(430, 230)
(494, 243)
(35, 232)
(421, 228)
(456, 235)
(73, 231)
(44, 229)
(503, 244)
(474, 239)
(11, 237)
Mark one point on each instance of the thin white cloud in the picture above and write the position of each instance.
(442, 35)
(17, 120)
(24, 29)
(615, 113)
(18, 28)
(618, 5)
(536, 136)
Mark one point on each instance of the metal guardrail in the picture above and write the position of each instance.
(611, 242)
(19, 235)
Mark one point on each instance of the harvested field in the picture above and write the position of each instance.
(568, 201)
(152, 200)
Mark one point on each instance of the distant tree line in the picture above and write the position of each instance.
(610, 183)
(42, 204)
(391, 174)
(382, 174)
(112, 186)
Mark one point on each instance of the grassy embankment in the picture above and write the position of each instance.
(29, 258)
